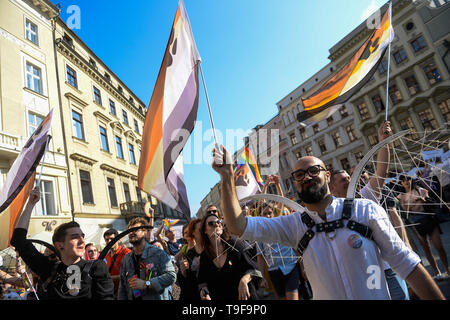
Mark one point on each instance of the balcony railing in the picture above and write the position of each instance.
(132, 209)
(9, 141)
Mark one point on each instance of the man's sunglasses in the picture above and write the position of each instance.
(312, 171)
(215, 223)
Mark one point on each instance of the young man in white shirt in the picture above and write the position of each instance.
(341, 264)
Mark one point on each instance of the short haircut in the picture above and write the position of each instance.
(335, 172)
(137, 220)
(60, 232)
(110, 232)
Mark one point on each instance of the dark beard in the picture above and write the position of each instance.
(312, 194)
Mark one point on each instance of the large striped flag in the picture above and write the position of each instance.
(247, 157)
(173, 107)
(26, 162)
(9, 216)
(353, 75)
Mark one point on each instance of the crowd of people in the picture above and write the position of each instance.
(249, 251)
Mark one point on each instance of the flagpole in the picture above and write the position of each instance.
(217, 160)
(388, 67)
(43, 160)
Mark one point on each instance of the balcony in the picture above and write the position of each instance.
(10, 145)
(133, 209)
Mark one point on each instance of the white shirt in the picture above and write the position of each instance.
(368, 193)
(348, 266)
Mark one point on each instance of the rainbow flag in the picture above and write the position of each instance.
(353, 75)
(170, 118)
(247, 157)
(170, 222)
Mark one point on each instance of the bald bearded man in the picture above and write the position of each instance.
(342, 259)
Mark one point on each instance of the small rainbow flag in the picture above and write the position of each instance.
(247, 157)
(170, 222)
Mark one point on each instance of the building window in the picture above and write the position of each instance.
(293, 139)
(290, 116)
(309, 151)
(93, 63)
(46, 207)
(427, 119)
(418, 44)
(71, 77)
(359, 155)
(336, 136)
(363, 111)
(377, 103)
(86, 187)
(77, 125)
(31, 32)
(343, 111)
(119, 147)
(432, 73)
(407, 124)
(412, 85)
(125, 117)
(104, 139)
(136, 126)
(33, 122)
(444, 106)
(34, 78)
(330, 121)
(285, 121)
(351, 132)
(373, 139)
(126, 192)
(303, 133)
(131, 149)
(112, 107)
(322, 146)
(138, 194)
(395, 94)
(400, 56)
(298, 155)
(345, 164)
(97, 96)
(316, 128)
(119, 88)
(382, 67)
(112, 192)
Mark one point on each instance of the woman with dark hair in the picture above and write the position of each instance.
(226, 272)
(190, 262)
(413, 201)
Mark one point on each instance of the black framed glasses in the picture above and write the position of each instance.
(211, 211)
(215, 223)
(312, 171)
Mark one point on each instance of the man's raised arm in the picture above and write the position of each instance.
(234, 218)
(383, 158)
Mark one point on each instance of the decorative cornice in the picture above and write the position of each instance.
(102, 116)
(117, 171)
(73, 97)
(81, 158)
(117, 125)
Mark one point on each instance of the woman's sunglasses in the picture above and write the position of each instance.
(215, 223)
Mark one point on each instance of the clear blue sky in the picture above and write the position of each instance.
(254, 52)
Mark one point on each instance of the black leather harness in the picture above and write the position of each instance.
(332, 226)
